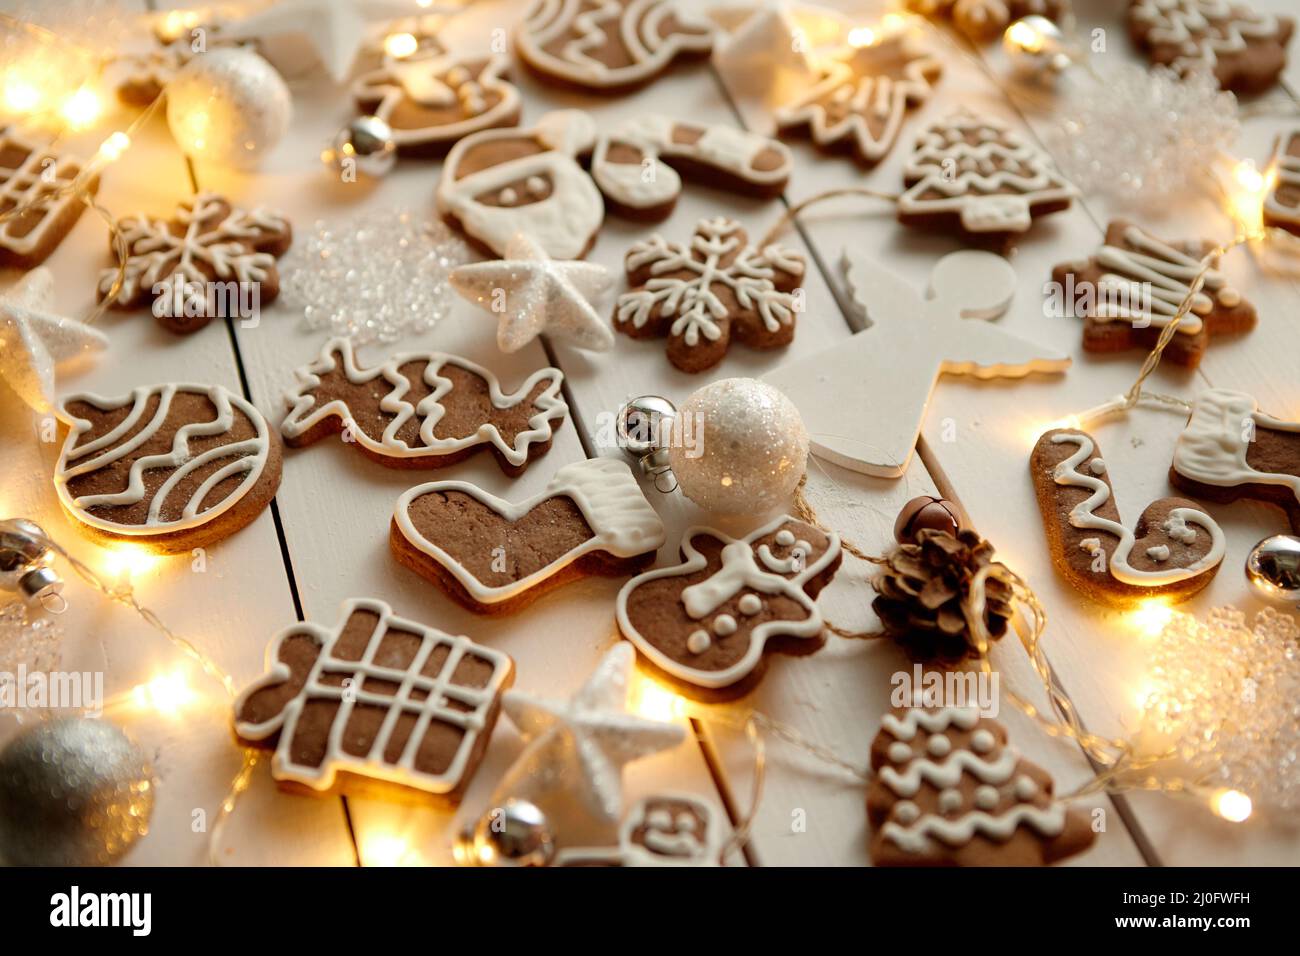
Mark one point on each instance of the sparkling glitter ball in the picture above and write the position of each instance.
(73, 792)
(1144, 135)
(229, 107)
(743, 447)
(375, 277)
(1225, 696)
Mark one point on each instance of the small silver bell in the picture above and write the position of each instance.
(367, 144)
(1035, 46)
(642, 427)
(515, 834)
(1273, 568)
(25, 558)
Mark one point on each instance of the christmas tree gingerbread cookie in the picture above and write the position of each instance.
(1244, 50)
(495, 557)
(422, 409)
(707, 625)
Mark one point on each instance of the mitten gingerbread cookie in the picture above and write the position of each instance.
(210, 261)
(1282, 202)
(1133, 286)
(704, 294)
(375, 705)
(36, 174)
(1229, 449)
(173, 466)
(609, 46)
(977, 178)
(639, 167)
(501, 182)
(1173, 551)
(860, 97)
(1244, 50)
(423, 409)
(495, 557)
(949, 791)
(708, 624)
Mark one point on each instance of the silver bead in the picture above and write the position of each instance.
(366, 143)
(515, 834)
(1273, 568)
(25, 556)
(1035, 46)
(642, 424)
(73, 792)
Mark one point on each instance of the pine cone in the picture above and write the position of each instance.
(919, 595)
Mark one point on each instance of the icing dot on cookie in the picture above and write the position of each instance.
(949, 801)
(986, 797)
(509, 196)
(900, 752)
(751, 604)
(724, 624)
(1097, 466)
(907, 812)
(1026, 789)
(535, 185)
(785, 537)
(698, 642)
(982, 741)
(939, 745)
(1229, 297)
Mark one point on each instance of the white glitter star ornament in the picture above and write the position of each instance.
(33, 339)
(532, 293)
(578, 747)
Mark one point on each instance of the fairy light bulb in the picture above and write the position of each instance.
(1152, 616)
(860, 37)
(1249, 187)
(82, 109)
(166, 694)
(21, 96)
(1035, 46)
(111, 150)
(400, 45)
(1232, 805)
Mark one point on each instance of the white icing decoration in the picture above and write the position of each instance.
(1084, 516)
(698, 642)
(248, 457)
(1097, 466)
(933, 722)
(986, 797)
(905, 811)
(949, 801)
(305, 414)
(939, 745)
(739, 572)
(785, 537)
(622, 522)
(900, 752)
(750, 604)
(1159, 552)
(43, 170)
(982, 741)
(439, 693)
(949, 773)
(1026, 789)
(1214, 444)
(671, 837)
(724, 625)
(1177, 528)
(1047, 821)
(1091, 545)
(788, 565)
(1202, 29)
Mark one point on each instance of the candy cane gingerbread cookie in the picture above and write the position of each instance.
(708, 624)
(1173, 551)
(1229, 449)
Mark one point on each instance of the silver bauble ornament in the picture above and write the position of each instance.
(365, 144)
(515, 834)
(645, 432)
(1035, 46)
(73, 792)
(743, 447)
(1273, 568)
(228, 106)
(25, 558)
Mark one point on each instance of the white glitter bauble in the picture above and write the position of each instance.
(228, 106)
(752, 447)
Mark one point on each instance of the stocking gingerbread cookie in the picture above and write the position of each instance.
(1173, 551)
(500, 182)
(708, 624)
(496, 557)
(1230, 449)
(423, 409)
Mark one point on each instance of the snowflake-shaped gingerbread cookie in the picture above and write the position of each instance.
(702, 293)
(210, 261)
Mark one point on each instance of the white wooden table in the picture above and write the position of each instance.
(325, 540)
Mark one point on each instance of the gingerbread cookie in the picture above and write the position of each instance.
(609, 46)
(501, 182)
(1229, 449)
(1244, 50)
(431, 98)
(1133, 286)
(496, 557)
(1173, 551)
(142, 75)
(949, 791)
(703, 294)
(983, 20)
(209, 261)
(1282, 202)
(669, 829)
(172, 466)
(36, 173)
(708, 624)
(423, 409)
(637, 166)
(375, 705)
(860, 97)
(980, 179)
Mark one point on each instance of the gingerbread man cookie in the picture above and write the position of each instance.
(36, 173)
(1229, 449)
(172, 466)
(208, 262)
(708, 624)
(423, 409)
(1133, 286)
(976, 177)
(1282, 203)
(1173, 551)
(860, 97)
(375, 705)
(639, 167)
(1244, 50)
(703, 294)
(495, 557)
(609, 46)
(949, 791)
(501, 182)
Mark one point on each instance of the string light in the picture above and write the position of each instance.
(400, 45)
(1024, 36)
(383, 849)
(174, 23)
(21, 96)
(1233, 805)
(129, 560)
(82, 109)
(166, 694)
(860, 37)
(1246, 196)
(654, 701)
(1152, 616)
